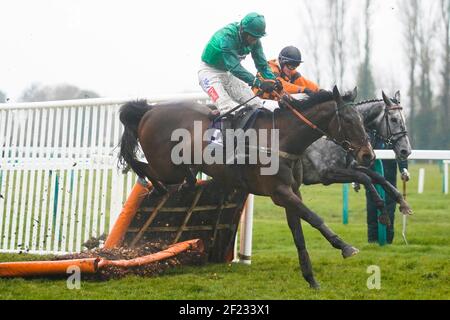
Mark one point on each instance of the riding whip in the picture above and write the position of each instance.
(404, 216)
(235, 108)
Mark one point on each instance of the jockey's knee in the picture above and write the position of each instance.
(225, 105)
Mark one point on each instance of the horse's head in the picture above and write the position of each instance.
(393, 129)
(347, 129)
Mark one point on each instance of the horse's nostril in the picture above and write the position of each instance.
(404, 152)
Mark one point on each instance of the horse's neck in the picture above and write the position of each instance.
(371, 112)
(296, 135)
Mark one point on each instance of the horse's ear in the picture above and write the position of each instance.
(397, 96)
(386, 100)
(337, 96)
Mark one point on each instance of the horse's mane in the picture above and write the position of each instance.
(367, 101)
(375, 100)
(312, 100)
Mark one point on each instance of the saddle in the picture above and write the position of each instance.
(243, 119)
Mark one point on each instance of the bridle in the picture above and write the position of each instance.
(392, 137)
(344, 144)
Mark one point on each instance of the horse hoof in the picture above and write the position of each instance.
(349, 251)
(384, 219)
(314, 285)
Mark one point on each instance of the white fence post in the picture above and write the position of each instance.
(421, 180)
(446, 163)
(245, 250)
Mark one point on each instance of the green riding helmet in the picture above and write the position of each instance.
(254, 24)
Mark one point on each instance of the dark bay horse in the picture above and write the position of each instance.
(326, 163)
(152, 127)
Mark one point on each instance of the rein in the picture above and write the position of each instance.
(346, 145)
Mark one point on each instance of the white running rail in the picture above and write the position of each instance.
(59, 182)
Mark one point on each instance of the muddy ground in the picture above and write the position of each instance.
(187, 258)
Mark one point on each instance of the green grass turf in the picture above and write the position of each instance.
(420, 270)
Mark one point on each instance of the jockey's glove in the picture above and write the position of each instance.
(278, 85)
(267, 85)
(308, 91)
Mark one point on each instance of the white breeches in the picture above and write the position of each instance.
(225, 90)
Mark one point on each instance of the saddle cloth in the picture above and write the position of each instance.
(243, 119)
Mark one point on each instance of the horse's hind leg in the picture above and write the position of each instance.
(157, 185)
(389, 188)
(305, 262)
(191, 179)
(353, 175)
(285, 197)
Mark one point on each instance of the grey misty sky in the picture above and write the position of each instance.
(140, 48)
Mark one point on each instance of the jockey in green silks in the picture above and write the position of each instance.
(221, 74)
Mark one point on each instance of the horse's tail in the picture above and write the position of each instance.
(131, 114)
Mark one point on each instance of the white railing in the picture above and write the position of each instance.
(416, 154)
(59, 182)
(443, 155)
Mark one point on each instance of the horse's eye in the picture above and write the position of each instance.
(346, 145)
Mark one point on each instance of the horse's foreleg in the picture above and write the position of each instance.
(351, 175)
(305, 262)
(295, 225)
(388, 187)
(285, 197)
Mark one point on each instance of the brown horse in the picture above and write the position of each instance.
(153, 126)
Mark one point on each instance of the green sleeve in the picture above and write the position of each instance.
(232, 62)
(261, 62)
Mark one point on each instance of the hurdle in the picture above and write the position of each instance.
(200, 220)
(182, 214)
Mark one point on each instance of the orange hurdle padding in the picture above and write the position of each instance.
(134, 200)
(42, 268)
(173, 250)
(91, 265)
